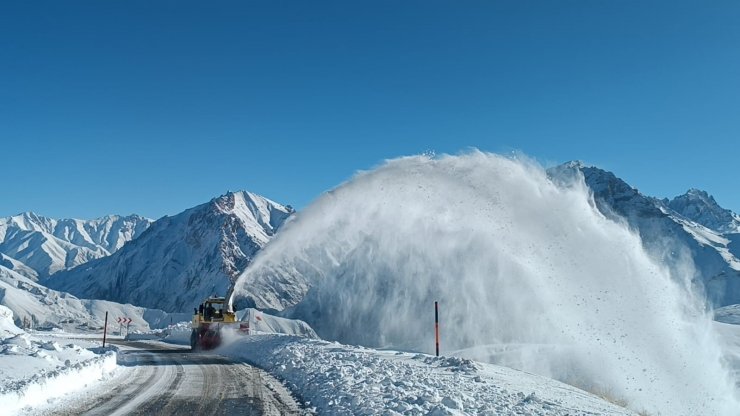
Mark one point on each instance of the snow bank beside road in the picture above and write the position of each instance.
(55, 383)
(339, 379)
(259, 323)
(33, 370)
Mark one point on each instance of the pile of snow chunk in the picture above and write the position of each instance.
(178, 333)
(332, 378)
(33, 371)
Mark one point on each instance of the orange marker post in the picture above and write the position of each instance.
(436, 326)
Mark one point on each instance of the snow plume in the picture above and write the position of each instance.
(528, 274)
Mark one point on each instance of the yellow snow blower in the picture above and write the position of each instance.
(213, 315)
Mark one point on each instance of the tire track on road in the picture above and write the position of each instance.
(161, 404)
(119, 397)
(173, 381)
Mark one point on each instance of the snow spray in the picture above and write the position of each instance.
(533, 275)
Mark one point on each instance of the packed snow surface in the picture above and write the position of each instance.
(528, 272)
(337, 379)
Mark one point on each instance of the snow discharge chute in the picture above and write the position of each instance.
(527, 271)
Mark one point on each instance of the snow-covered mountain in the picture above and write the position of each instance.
(36, 306)
(183, 258)
(700, 207)
(689, 227)
(37, 246)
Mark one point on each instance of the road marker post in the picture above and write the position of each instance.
(105, 328)
(436, 326)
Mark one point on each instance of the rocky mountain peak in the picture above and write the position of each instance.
(699, 206)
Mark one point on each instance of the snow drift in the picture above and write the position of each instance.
(33, 371)
(528, 272)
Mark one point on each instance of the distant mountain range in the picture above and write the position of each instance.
(174, 262)
(37, 246)
(182, 259)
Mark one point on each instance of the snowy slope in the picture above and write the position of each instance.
(183, 258)
(39, 307)
(18, 267)
(707, 237)
(47, 245)
(675, 239)
(8, 328)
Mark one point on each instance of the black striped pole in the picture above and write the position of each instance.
(436, 326)
(105, 328)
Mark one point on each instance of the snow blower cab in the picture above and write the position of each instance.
(208, 320)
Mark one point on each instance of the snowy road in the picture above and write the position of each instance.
(164, 380)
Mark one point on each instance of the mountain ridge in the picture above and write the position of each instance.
(701, 207)
(47, 245)
(666, 233)
(183, 258)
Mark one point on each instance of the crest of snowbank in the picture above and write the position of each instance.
(40, 388)
(528, 273)
(331, 378)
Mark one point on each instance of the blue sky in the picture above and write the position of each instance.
(153, 107)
